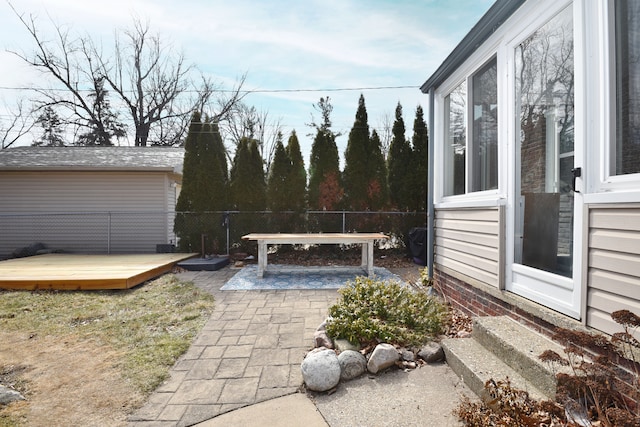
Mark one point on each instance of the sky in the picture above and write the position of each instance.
(293, 52)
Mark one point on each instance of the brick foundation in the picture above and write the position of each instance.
(473, 301)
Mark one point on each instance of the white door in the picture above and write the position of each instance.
(546, 211)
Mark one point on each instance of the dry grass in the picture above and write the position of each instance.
(134, 334)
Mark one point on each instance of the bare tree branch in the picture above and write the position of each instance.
(152, 82)
(18, 124)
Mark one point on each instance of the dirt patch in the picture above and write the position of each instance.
(66, 381)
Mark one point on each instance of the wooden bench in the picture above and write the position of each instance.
(367, 241)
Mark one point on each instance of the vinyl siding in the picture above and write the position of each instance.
(613, 264)
(86, 212)
(467, 241)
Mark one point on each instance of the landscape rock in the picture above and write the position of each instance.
(8, 395)
(382, 357)
(323, 326)
(321, 339)
(321, 370)
(431, 353)
(407, 355)
(352, 364)
(344, 345)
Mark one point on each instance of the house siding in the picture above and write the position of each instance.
(467, 242)
(85, 211)
(49, 191)
(613, 268)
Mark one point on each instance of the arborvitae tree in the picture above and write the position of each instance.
(356, 171)
(325, 189)
(204, 189)
(247, 184)
(420, 159)
(186, 225)
(378, 188)
(220, 197)
(364, 177)
(212, 171)
(297, 180)
(52, 131)
(277, 189)
(399, 165)
(190, 166)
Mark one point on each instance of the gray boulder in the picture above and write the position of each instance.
(382, 357)
(407, 355)
(431, 353)
(352, 364)
(321, 339)
(321, 370)
(344, 345)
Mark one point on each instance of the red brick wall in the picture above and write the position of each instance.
(475, 302)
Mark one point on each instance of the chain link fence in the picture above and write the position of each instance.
(211, 232)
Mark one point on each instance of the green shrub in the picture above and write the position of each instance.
(371, 311)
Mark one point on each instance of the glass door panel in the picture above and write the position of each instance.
(545, 154)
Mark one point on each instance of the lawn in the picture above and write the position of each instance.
(94, 356)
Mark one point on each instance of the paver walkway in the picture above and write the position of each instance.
(249, 351)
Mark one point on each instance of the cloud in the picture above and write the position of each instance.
(283, 44)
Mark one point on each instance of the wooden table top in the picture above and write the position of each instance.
(315, 237)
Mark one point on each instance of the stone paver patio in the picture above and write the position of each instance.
(249, 351)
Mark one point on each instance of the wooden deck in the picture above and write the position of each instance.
(84, 272)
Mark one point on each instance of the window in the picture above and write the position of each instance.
(627, 146)
(484, 143)
(456, 140)
(480, 141)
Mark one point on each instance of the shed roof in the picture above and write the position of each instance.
(487, 25)
(93, 158)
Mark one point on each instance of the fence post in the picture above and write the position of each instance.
(344, 220)
(109, 233)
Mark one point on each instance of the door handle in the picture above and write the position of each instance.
(576, 173)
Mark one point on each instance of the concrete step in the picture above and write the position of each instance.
(520, 348)
(499, 348)
(476, 365)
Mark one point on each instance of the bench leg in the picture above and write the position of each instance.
(262, 258)
(367, 258)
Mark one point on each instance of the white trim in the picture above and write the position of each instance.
(611, 197)
(476, 203)
(553, 291)
(600, 66)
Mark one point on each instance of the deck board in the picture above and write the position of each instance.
(85, 272)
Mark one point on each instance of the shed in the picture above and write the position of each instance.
(89, 199)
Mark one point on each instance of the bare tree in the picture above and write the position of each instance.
(148, 77)
(70, 63)
(18, 123)
(245, 121)
(154, 84)
(151, 80)
(385, 133)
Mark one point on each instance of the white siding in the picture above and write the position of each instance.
(87, 212)
(613, 264)
(467, 241)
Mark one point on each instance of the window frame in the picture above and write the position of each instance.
(603, 185)
(492, 197)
